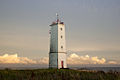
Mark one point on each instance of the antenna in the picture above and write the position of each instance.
(57, 16)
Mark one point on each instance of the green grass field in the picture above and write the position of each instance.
(55, 74)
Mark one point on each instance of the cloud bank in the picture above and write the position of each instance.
(6, 59)
(76, 59)
(72, 59)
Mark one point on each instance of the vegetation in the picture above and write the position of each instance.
(55, 74)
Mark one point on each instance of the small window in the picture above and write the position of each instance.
(61, 36)
(62, 47)
(61, 29)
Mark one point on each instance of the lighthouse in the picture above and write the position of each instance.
(57, 54)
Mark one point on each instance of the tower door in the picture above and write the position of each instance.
(62, 64)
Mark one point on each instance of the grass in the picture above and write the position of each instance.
(55, 74)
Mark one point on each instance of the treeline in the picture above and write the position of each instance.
(55, 74)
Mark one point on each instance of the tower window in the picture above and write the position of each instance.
(61, 36)
(61, 29)
(61, 47)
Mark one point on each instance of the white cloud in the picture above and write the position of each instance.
(44, 60)
(112, 62)
(73, 59)
(6, 58)
(76, 59)
(14, 59)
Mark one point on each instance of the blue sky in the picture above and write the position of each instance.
(92, 27)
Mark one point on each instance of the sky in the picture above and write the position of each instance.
(92, 30)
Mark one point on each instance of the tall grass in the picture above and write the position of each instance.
(55, 74)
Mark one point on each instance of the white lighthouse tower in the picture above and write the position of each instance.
(57, 54)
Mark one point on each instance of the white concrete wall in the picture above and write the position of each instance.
(62, 57)
(57, 54)
(61, 41)
(53, 57)
(54, 39)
